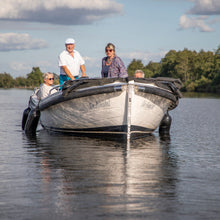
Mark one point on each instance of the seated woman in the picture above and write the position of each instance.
(46, 86)
(112, 65)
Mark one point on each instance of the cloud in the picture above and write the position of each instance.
(14, 41)
(213, 21)
(205, 7)
(194, 23)
(43, 63)
(65, 12)
(92, 62)
(26, 67)
(18, 66)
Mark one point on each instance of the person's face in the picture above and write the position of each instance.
(70, 47)
(138, 75)
(109, 52)
(49, 80)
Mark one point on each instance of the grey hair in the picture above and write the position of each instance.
(110, 45)
(140, 71)
(45, 75)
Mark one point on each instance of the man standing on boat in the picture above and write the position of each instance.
(70, 63)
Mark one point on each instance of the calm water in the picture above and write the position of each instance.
(56, 176)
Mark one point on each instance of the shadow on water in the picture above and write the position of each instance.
(103, 177)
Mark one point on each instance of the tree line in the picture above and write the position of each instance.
(198, 71)
(33, 79)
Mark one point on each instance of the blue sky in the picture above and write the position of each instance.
(32, 33)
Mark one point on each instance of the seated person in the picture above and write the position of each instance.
(46, 86)
(139, 74)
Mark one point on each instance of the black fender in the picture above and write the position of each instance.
(164, 128)
(32, 121)
(25, 116)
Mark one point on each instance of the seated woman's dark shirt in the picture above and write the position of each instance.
(105, 70)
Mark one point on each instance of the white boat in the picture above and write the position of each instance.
(109, 105)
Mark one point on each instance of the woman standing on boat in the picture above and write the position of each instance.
(112, 65)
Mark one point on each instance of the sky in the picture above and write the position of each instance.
(33, 32)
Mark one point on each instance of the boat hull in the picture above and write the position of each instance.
(117, 107)
(92, 113)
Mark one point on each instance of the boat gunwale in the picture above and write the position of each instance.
(109, 88)
(53, 100)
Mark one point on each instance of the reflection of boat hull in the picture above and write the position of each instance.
(109, 105)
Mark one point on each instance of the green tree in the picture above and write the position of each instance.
(152, 69)
(35, 78)
(199, 71)
(182, 65)
(203, 84)
(193, 64)
(168, 64)
(216, 78)
(133, 66)
(20, 82)
(6, 81)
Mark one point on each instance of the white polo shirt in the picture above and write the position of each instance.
(72, 63)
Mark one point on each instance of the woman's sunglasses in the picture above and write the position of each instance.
(51, 78)
(108, 50)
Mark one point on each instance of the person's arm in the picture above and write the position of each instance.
(66, 70)
(83, 70)
(122, 69)
(103, 64)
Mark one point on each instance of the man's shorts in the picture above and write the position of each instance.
(64, 78)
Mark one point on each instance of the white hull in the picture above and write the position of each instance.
(92, 112)
(123, 110)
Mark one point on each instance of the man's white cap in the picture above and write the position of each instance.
(70, 41)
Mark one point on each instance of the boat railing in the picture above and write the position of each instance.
(57, 88)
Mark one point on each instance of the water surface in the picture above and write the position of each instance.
(55, 176)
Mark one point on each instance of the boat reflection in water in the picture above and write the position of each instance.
(95, 177)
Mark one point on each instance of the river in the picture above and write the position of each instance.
(54, 176)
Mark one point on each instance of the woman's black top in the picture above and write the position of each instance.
(105, 70)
